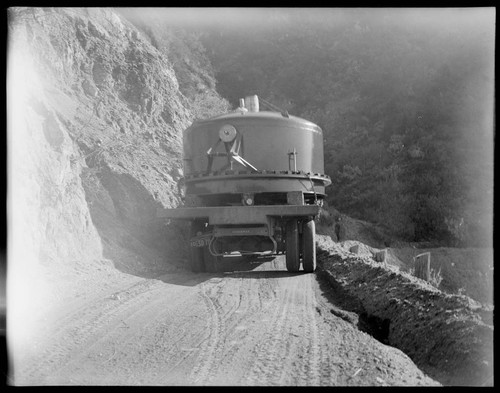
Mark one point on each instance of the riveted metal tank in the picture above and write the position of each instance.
(254, 152)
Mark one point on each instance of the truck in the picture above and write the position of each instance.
(254, 185)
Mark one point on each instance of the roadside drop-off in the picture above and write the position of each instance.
(450, 337)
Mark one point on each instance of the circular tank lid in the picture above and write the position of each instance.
(263, 115)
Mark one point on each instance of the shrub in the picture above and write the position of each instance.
(435, 277)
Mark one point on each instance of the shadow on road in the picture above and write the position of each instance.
(264, 267)
(187, 278)
(262, 274)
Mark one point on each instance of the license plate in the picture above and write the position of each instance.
(200, 242)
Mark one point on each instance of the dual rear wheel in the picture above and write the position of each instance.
(298, 245)
(200, 259)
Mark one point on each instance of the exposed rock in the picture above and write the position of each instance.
(95, 109)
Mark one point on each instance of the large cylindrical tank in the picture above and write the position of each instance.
(254, 152)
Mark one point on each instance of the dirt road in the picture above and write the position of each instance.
(259, 327)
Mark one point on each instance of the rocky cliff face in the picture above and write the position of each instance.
(95, 131)
(180, 41)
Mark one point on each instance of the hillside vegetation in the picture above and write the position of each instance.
(405, 100)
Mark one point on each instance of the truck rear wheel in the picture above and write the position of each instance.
(196, 253)
(196, 262)
(210, 261)
(292, 246)
(309, 246)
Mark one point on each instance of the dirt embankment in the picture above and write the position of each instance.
(449, 336)
(463, 271)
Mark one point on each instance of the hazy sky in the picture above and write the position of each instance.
(244, 18)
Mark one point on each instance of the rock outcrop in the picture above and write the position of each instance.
(95, 137)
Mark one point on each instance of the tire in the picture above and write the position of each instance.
(301, 246)
(210, 261)
(196, 260)
(309, 246)
(292, 246)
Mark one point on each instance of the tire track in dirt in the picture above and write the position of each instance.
(302, 362)
(288, 371)
(259, 327)
(280, 309)
(231, 317)
(266, 362)
(309, 372)
(241, 298)
(209, 348)
(166, 341)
